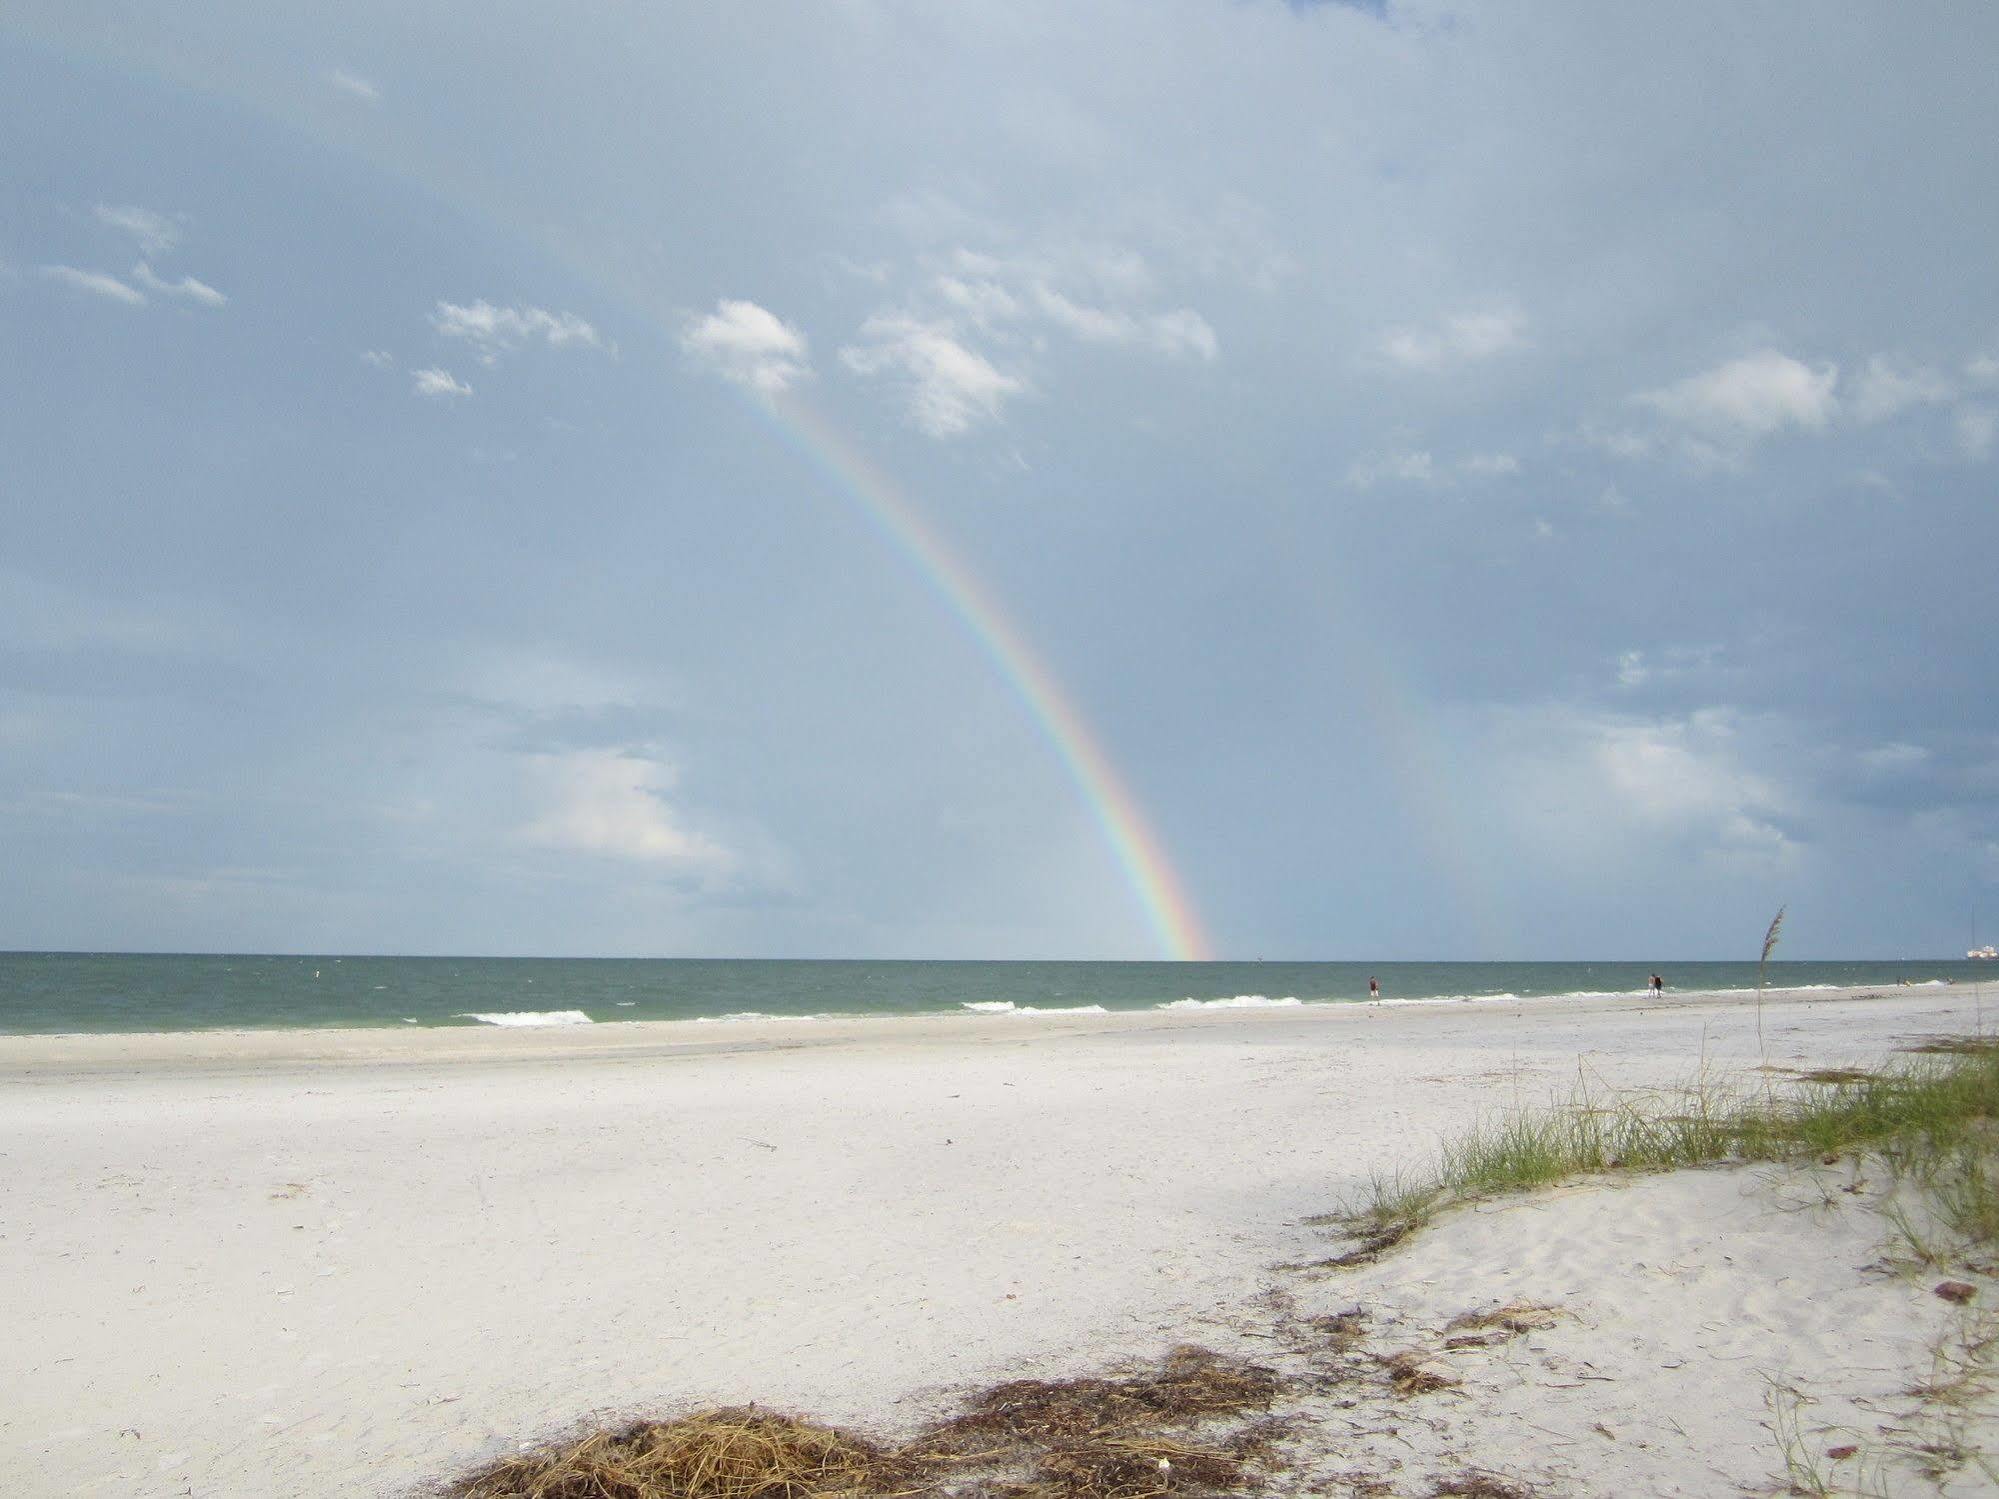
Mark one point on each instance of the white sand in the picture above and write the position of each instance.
(350, 1263)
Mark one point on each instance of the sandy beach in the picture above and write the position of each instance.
(360, 1262)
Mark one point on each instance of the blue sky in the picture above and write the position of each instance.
(1496, 486)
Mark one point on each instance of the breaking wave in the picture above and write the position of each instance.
(1237, 1002)
(516, 1018)
(1008, 1007)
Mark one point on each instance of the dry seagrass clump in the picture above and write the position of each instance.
(721, 1454)
(1409, 1374)
(1134, 1467)
(1476, 1483)
(1190, 1384)
(1088, 1438)
(1482, 1329)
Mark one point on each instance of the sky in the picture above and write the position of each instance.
(887, 479)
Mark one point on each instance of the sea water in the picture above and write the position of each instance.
(58, 992)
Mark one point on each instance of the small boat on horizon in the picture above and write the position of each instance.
(1987, 951)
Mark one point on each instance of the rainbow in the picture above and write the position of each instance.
(1168, 911)
(1161, 895)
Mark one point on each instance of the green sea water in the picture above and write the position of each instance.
(59, 992)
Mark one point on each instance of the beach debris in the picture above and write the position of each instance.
(1834, 1076)
(1954, 1046)
(1342, 1330)
(1370, 1240)
(1130, 1467)
(739, 1453)
(1841, 1453)
(1189, 1384)
(1483, 1329)
(1956, 1292)
(1140, 1436)
(1408, 1374)
(1477, 1483)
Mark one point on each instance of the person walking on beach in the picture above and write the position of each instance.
(1658, 986)
(1373, 987)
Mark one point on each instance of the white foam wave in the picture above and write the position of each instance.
(1008, 1007)
(1237, 1002)
(514, 1018)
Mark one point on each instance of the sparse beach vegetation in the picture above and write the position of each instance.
(1931, 1115)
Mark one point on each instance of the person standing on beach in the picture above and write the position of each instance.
(1658, 985)
(1373, 987)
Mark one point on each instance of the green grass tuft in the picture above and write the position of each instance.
(1933, 1117)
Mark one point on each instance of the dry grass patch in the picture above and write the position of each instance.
(1409, 1374)
(1342, 1331)
(1191, 1384)
(1482, 1329)
(1833, 1076)
(1133, 1467)
(1476, 1483)
(723, 1454)
(1085, 1438)
(1955, 1046)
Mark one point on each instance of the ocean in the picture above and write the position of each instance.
(44, 993)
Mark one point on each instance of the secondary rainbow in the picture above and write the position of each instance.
(1154, 881)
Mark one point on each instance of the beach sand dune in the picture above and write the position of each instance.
(351, 1263)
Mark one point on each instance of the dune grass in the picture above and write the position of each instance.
(1933, 1116)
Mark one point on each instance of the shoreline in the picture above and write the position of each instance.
(82, 1051)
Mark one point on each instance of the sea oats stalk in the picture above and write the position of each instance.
(1770, 937)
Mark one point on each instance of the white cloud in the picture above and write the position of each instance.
(1181, 331)
(1456, 341)
(187, 288)
(97, 283)
(1982, 368)
(1976, 427)
(381, 359)
(1885, 388)
(1406, 467)
(984, 303)
(1489, 465)
(155, 232)
(613, 804)
(950, 388)
(353, 85)
(1594, 784)
(968, 331)
(1682, 775)
(1751, 397)
(748, 344)
(494, 330)
(438, 384)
